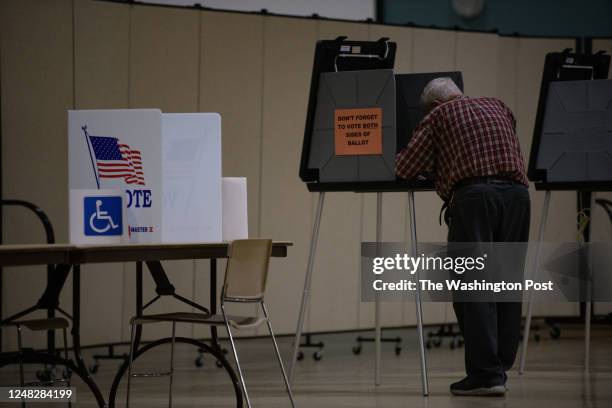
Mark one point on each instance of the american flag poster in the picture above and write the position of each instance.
(116, 160)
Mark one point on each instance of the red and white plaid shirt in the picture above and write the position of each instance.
(465, 137)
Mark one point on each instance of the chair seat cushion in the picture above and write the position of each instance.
(238, 322)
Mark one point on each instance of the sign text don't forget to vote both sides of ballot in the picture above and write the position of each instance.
(358, 131)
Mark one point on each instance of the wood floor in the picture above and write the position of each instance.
(555, 377)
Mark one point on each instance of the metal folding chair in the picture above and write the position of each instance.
(245, 282)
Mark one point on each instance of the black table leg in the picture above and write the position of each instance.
(213, 302)
(76, 317)
(139, 304)
(50, 315)
(76, 335)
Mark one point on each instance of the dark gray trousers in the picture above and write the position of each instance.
(491, 330)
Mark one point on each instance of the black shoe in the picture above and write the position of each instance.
(469, 387)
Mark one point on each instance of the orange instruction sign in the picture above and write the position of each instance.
(358, 131)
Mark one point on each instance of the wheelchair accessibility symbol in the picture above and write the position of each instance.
(103, 216)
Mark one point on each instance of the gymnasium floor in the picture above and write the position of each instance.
(555, 377)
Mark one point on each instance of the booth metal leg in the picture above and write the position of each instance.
(307, 281)
(587, 314)
(536, 267)
(377, 324)
(419, 311)
(587, 333)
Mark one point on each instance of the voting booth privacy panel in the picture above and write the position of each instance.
(575, 142)
(354, 127)
(332, 94)
(164, 170)
(94, 65)
(571, 142)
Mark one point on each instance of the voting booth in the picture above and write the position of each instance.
(571, 147)
(141, 176)
(360, 114)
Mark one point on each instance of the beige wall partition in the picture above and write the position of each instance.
(285, 205)
(37, 89)
(255, 71)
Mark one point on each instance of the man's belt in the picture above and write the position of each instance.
(483, 180)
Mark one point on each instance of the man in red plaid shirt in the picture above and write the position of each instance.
(470, 147)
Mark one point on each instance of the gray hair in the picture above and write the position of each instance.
(441, 89)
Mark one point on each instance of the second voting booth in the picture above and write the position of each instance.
(163, 172)
(351, 138)
(571, 148)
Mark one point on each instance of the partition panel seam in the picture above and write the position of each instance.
(261, 125)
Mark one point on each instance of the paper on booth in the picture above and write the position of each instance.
(235, 208)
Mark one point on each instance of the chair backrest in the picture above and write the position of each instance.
(247, 270)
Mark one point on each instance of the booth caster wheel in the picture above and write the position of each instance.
(356, 350)
(300, 355)
(47, 374)
(317, 356)
(218, 363)
(433, 343)
(67, 373)
(555, 332)
(199, 362)
(398, 350)
(456, 343)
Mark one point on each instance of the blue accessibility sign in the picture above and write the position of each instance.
(103, 216)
